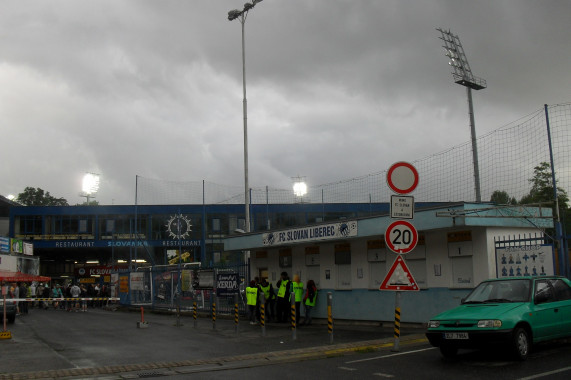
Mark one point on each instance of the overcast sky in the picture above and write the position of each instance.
(336, 88)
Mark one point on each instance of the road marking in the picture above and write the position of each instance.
(389, 356)
(347, 368)
(546, 373)
(383, 375)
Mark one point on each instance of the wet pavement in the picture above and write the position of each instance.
(116, 345)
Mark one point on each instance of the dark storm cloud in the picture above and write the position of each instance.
(336, 89)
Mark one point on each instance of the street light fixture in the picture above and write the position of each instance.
(241, 16)
(462, 74)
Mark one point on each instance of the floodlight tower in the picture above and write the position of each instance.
(299, 187)
(241, 16)
(90, 186)
(462, 74)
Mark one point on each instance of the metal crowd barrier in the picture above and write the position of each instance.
(64, 299)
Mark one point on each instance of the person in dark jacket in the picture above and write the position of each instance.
(309, 301)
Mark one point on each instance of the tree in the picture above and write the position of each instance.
(37, 197)
(502, 198)
(542, 188)
(92, 202)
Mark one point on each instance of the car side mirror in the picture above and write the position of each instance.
(462, 301)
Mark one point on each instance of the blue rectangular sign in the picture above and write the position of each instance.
(5, 244)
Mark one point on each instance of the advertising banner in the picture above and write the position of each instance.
(227, 284)
(17, 245)
(137, 281)
(527, 260)
(314, 233)
(5, 244)
(28, 249)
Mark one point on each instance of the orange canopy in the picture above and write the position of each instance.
(21, 277)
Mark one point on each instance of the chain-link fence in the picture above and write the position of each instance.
(507, 158)
(171, 287)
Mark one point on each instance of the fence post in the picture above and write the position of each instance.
(213, 310)
(194, 312)
(330, 316)
(236, 313)
(293, 324)
(262, 300)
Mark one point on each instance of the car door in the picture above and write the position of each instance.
(546, 316)
(563, 294)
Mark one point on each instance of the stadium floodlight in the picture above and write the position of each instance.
(241, 15)
(462, 74)
(299, 187)
(90, 186)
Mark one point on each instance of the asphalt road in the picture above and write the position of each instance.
(418, 362)
(108, 345)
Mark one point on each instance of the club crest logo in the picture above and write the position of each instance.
(178, 227)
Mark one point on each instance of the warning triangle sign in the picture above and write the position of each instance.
(399, 277)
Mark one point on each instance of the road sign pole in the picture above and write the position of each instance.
(396, 347)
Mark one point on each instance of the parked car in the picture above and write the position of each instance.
(10, 310)
(515, 312)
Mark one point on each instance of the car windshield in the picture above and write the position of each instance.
(500, 291)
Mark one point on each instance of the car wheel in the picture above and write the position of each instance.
(448, 352)
(11, 318)
(521, 344)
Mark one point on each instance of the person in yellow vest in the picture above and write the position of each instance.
(297, 288)
(252, 300)
(283, 298)
(270, 299)
(309, 301)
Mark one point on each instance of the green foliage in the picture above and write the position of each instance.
(91, 203)
(542, 188)
(502, 198)
(37, 197)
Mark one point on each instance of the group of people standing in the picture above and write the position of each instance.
(42, 292)
(278, 303)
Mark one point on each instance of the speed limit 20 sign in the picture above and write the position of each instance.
(401, 237)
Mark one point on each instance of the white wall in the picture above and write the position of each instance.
(440, 265)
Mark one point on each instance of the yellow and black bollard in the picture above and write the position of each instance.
(5, 334)
(194, 312)
(330, 316)
(293, 322)
(213, 311)
(236, 313)
(397, 322)
(262, 300)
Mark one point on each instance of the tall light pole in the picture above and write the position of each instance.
(241, 15)
(462, 75)
(90, 186)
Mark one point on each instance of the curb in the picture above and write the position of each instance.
(220, 363)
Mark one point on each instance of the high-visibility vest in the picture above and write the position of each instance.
(252, 296)
(284, 288)
(298, 291)
(308, 302)
(266, 290)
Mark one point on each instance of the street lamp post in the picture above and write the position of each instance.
(241, 16)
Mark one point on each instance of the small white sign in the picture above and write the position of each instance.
(402, 207)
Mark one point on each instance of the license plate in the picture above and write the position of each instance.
(460, 335)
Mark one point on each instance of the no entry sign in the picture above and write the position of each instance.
(401, 237)
(402, 178)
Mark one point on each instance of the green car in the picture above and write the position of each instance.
(515, 312)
